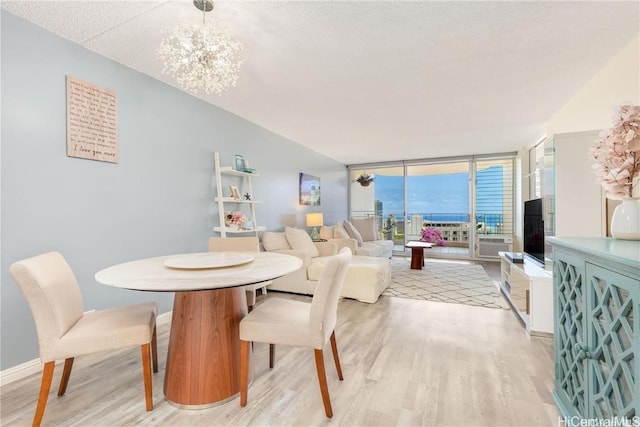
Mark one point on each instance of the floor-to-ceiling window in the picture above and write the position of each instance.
(494, 197)
(382, 198)
(494, 206)
(469, 201)
(438, 198)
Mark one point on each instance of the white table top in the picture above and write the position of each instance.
(150, 274)
(418, 244)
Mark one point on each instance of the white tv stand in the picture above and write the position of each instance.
(529, 289)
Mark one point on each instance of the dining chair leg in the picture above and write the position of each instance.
(322, 379)
(146, 373)
(154, 350)
(336, 359)
(45, 386)
(66, 372)
(272, 355)
(244, 371)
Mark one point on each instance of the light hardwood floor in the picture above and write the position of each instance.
(405, 362)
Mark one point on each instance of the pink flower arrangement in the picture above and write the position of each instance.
(617, 155)
(235, 218)
(432, 235)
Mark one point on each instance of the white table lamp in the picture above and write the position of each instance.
(315, 220)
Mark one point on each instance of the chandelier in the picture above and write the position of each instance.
(200, 57)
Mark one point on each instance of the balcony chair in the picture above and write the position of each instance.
(65, 332)
(298, 323)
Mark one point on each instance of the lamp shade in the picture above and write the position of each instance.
(314, 219)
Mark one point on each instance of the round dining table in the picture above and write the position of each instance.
(203, 357)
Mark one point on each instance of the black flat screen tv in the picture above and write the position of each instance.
(534, 230)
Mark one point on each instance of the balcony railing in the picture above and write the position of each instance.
(454, 227)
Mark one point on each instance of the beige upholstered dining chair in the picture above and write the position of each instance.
(239, 244)
(65, 332)
(298, 323)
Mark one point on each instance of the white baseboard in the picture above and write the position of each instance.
(31, 367)
(20, 371)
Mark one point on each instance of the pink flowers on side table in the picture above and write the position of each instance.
(432, 235)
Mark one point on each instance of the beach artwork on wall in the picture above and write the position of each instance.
(309, 190)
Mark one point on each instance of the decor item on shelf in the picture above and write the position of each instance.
(617, 167)
(236, 219)
(247, 196)
(239, 164)
(235, 193)
(201, 57)
(365, 179)
(432, 235)
(315, 220)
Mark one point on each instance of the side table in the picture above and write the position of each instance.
(417, 253)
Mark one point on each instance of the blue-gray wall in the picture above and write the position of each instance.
(157, 200)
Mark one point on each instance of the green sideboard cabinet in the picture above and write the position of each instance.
(596, 298)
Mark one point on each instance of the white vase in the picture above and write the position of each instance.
(625, 222)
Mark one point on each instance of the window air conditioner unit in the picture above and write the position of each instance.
(489, 246)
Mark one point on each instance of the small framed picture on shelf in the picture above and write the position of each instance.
(239, 163)
(235, 193)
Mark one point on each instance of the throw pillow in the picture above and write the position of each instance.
(300, 240)
(326, 232)
(367, 228)
(339, 232)
(274, 241)
(353, 232)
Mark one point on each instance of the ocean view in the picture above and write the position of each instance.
(441, 198)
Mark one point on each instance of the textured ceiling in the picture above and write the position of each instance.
(377, 80)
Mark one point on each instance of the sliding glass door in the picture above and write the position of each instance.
(469, 202)
(382, 198)
(438, 199)
(494, 197)
(494, 206)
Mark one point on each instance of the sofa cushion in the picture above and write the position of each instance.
(367, 228)
(379, 248)
(353, 232)
(339, 232)
(366, 277)
(387, 245)
(326, 232)
(299, 239)
(272, 241)
(370, 249)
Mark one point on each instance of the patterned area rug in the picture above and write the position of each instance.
(450, 282)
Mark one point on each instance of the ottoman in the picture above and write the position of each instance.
(367, 277)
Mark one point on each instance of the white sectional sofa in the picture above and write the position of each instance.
(365, 237)
(367, 277)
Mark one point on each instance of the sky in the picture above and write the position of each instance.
(441, 194)
(426, 194)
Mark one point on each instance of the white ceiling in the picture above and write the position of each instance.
(366, 81)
